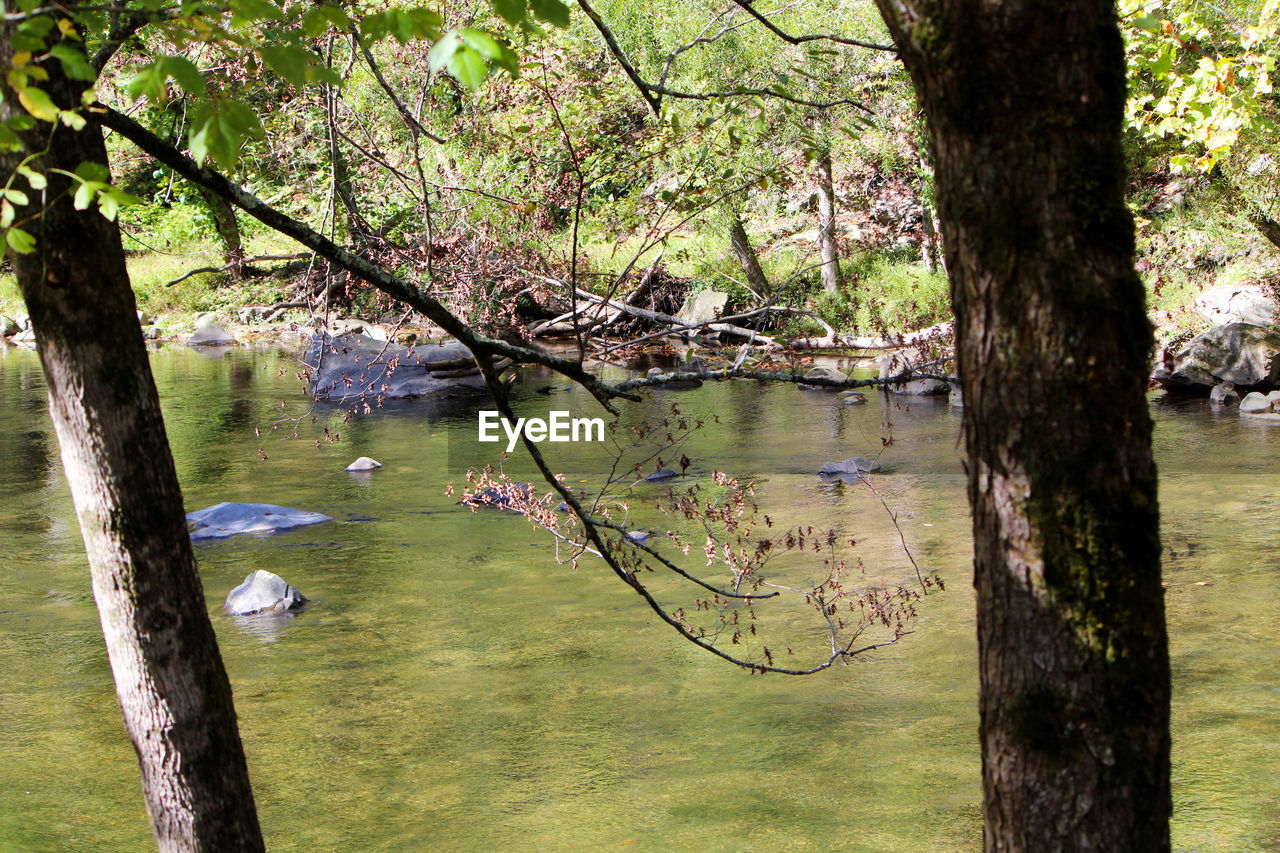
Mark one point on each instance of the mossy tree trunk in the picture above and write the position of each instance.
(224, 222)
(170, 681)
(740, 245)
(1024, 103)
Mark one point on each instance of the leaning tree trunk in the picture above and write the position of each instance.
(740, 245)
(170, 681)
(827, 225)
(1024, 104)
(224, 222)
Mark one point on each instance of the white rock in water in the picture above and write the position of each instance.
(263, 592)
(364, 463)
(209, 336)
(1254, 403)
(227, 519)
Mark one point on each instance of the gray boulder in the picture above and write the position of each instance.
(659, 476)
(227, 519)
(1239, 353)
(905, 361)
(852, 469)
(1254, 404)
(211, 335)
(1224, 393)
(351, 366)
(263, 592)
(702, 307)
(823, 373)
(1237, 303)
(8, 326)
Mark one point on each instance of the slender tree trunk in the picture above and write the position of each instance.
(742, 249)
(170, 681)
(826, 225)
(1024, 103)
(224, 222)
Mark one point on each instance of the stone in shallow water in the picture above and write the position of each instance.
(850, 470)
(263, 592)
(364, 463)
(351, 366)
(499, 497)
(211, 336)
(227, 519)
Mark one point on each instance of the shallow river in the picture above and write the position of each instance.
(454, 688)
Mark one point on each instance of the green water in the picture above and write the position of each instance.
(453, 688)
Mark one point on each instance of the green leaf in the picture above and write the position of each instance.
(38, 103)
(17, 197)
(491, 49)
(73, 120)
(442, 52)
(89, 171)
(84, 194)
(511, 11)
(289, 62)
(20, 241)
(469, 67)
(150, 81)
(552, 11)
(6, 214)
(317, 20)
(1146, 22)
(404, 25)
(35, 180)
(254, 11)
(8, 139)
(74, 63)
(219, 130)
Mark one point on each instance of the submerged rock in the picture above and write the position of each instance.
(659, 476)
(347, 367)
(211, 335)
(499, 497)
(263, 592)
(822, 373)
(1238, 353)
(227, 519)
(364, 463)
(850, 470)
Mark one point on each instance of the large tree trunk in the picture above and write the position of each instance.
(740, 245)
(827, 224)
(1024, 103)
(170, 681)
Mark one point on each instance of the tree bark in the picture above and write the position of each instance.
(1024, 102)
(171, 685)
(830, 268)
(224, 222)
(742, 249)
